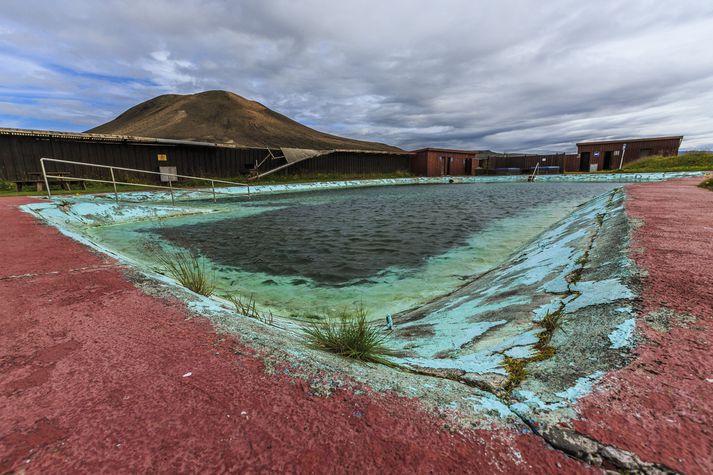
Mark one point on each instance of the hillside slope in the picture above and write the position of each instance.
(224, 117)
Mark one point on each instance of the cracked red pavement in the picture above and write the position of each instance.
(661, 405)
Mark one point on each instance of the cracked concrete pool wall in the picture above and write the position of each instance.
(580, 269)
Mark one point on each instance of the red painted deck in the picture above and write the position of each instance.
(92, 375)
(661, 405)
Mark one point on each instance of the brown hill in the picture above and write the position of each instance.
(224, 117)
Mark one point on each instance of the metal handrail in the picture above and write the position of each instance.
(113, 181)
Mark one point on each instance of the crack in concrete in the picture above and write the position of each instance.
(58, 272)
(572, 278)
(591, 451)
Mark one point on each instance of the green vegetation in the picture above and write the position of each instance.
(349, 334)
(249, 309)
(517, 372)
(517, 367)
(6, 186)
(707, 184)
(189, 270)
(688, 162)
(550, 322)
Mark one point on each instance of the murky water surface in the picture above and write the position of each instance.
(385, 247)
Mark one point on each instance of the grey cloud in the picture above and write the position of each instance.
(507, 75)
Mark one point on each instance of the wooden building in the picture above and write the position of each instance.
(21, 150)
(613, 154)
(444, 162)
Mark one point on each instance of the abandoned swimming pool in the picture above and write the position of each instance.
(468, 272)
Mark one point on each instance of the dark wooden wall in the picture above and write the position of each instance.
(527, 162)
(20, 154)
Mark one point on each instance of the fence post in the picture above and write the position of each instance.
(44, 175)
(113, 182)
(170, 185)
(212, 185)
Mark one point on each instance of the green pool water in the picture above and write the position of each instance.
(386, 248)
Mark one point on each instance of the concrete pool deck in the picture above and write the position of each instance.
(97, 374)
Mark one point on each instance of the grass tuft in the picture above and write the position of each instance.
(248, 308)
(551, 321)
(707, 184)
(189, 270)
(350, 334)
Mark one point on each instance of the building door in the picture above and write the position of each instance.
(584, 162)
(607, 161)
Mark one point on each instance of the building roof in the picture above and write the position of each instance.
(447, 150)
(93, 137)
(623, 141)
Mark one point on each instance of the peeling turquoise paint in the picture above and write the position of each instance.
(520, 352)
(581, 388)
(623, 335)
(539, 313)
(493, 404)
(476, 363)
(597, 293)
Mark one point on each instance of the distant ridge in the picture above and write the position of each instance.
(224, 117)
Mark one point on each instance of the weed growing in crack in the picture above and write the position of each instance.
(517, 367)
(551, 321)
(248, 308)
(350, 334)
(517, 372)
(189, 270)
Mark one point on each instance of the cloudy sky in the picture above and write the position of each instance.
(509, 75)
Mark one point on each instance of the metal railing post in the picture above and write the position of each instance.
(113, 182)
(47, 176)
(170, 185)
(44, 175)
